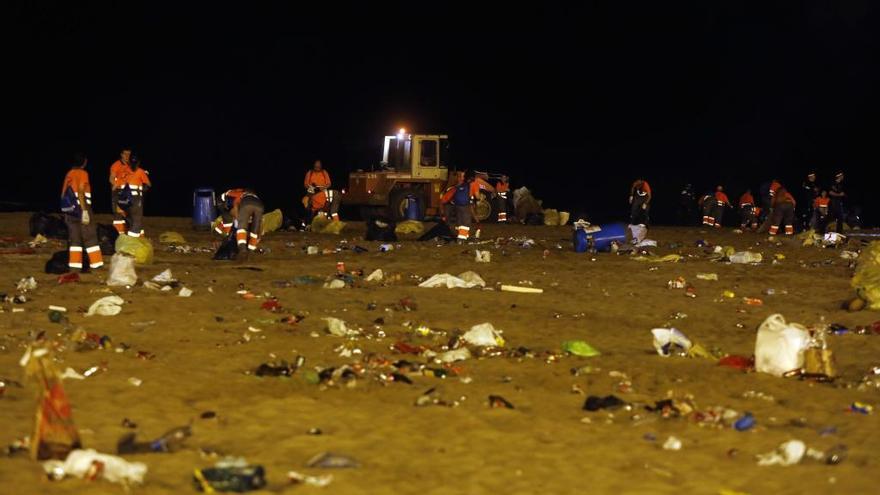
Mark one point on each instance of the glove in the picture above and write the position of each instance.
(311, 190)
(644, 206)
(85, 218)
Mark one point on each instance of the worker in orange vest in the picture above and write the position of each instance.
(228, 202)
(76, 203)
(249, 217)
(320, 198)
(819, 220)
(464, 197)
(137, 182)
(448, 195)
(717, 205)
(783, 212)
(640, 202)
(119, 170)
(502, 199)
(748, 211)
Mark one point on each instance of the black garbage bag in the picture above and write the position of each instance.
(439, 231)
(534, 219)
(381, 229)
(49, 225)
(107, 239)
(227, 251)
(57, 264)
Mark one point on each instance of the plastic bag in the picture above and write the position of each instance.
(228, 250)
(271, 222)
(451, 282)
(866, 280)
(483, 335)
(121, 271)
(106, 306)
(670, 340)
(779, 346)
(409, 227)
(638, 232)
(171, 238)
(80, 463)
(337, 327)
(139, 247)
(551, 217)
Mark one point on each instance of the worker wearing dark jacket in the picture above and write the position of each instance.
(640, 202)
(836, 205)
(748, 211)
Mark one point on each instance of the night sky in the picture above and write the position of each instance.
(574, 102)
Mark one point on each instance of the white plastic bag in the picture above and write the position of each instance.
(376, 276)
(114, 469)
(668, 341)
(483, 335)
(779, 347)
(639, 232)
(121, 271)
(465, 280)
(483, 256)
(337, 327)
(106, 306)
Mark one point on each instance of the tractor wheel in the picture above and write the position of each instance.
(485, 208)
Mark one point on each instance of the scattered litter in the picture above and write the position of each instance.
(184, 292)
(297, 478)
(745, 257)
(672, 443)
(166, 277)
(230, 475)
(483, 256)
(707, 276)
(596, 403)
(335, 284)
(376, 276)
(668, 341)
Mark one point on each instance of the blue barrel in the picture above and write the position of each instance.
(204, 208)
(580, 241)
(412, 208)
(613, 232)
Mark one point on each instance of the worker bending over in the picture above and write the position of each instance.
(783, 212)
(640, 202)
(228, 201)
(249, 217)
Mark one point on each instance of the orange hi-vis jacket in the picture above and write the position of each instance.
(774, 186)
(318, 179)
(77, 179)
(721, 198)
(118, 172)
(821, 204)
(501, 188)
(477, 185)
(137, 180)
(746, 200)
(234, 195)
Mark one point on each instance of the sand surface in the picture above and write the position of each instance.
(546, 444)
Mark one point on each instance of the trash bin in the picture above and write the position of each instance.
(412, 208)
(580, 239)
(610, 233)
(204, 208)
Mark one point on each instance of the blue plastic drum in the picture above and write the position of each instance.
(204, 208)
(412, 208)
(615, 232)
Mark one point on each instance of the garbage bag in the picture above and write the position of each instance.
(465, 280)
(779, 346)
(866, 280)
(81, 463)
(139, 247)
(121, 271)
(49, 225)
(57, 264)
(107, 239)
(551, 217)
(171, 237)
(333, 228)
(228, 250)
(409, 227)
(380, 229)
(526, 205)
(439, 231)
(272, 221)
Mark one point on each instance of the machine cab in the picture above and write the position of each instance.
(426, 156)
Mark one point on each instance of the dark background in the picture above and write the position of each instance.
(573, 101)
